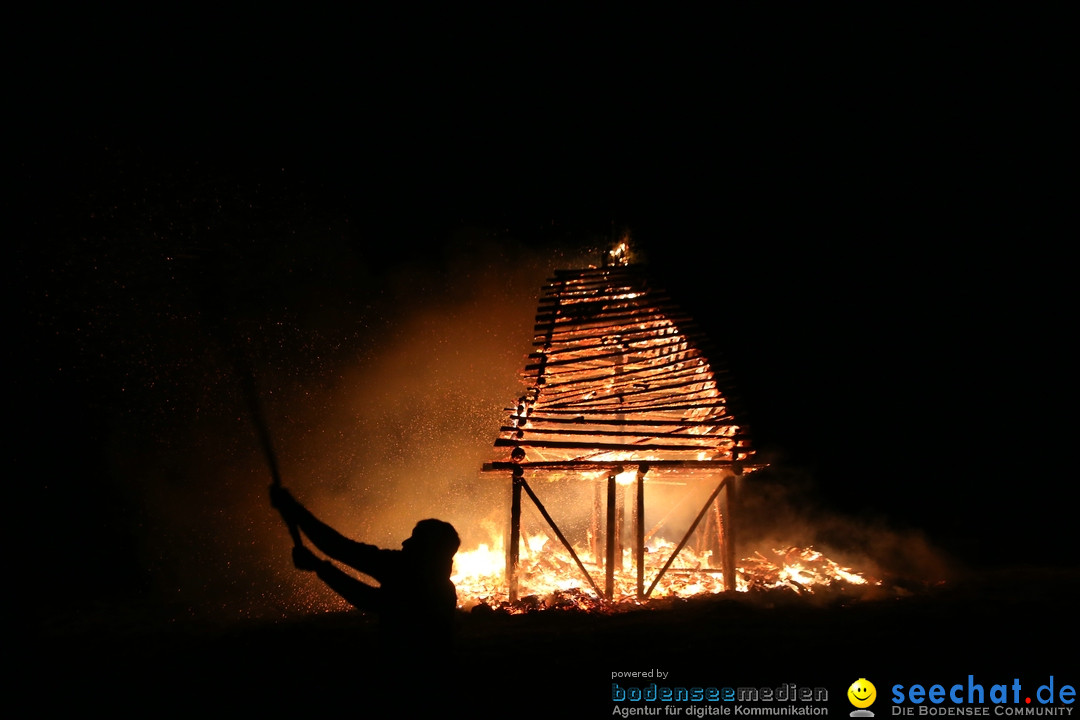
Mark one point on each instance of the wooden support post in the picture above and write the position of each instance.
(716, 534)
(620, 524)
(714, 542)
(594, 525)
(720, 552)
(639, 531)
(727, 535)
(609, 567)
(513, 550)
(703, 539)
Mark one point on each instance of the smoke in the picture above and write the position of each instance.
(382, 363)
(387, 427)
(783, 506)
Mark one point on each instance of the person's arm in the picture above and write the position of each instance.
(322, 536)
(355, 592)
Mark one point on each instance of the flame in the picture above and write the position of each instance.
(618, 254)
(799, 569)
(548, 578)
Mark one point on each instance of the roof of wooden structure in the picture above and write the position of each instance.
(619, 376)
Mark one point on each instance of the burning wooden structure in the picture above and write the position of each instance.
(621, 393)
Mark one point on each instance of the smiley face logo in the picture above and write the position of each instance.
(862, 693)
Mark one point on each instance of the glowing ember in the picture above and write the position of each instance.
(798, 569)
(549, 578)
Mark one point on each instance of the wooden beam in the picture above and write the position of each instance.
(559, 534)
(682, 543)
(609, 566)
(639, 530)
(601, 465)
(678, 434)
(577, 356)
(514, 547)
(727, 539)
(539, 418)
(712, 404)
(607, 447)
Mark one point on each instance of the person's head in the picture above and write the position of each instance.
(433, 537)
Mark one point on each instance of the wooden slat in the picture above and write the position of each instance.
(613, 433)
(603, 465)
(605, 447)
(717, 404)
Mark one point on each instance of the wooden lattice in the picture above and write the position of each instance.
(620, 380)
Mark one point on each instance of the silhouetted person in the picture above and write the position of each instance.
(415, 600)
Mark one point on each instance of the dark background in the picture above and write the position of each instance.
(867, 217)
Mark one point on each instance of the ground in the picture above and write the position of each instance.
(996, 626)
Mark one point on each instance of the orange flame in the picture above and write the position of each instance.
(548, 578)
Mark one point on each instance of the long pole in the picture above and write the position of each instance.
(727, 539)
(262, 430)
(215, 311)
(639, 530)
(513, 549)
(609, 577)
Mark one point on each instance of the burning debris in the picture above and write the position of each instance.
(798, 569)
(548, 580)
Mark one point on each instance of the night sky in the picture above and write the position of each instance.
(871, 236)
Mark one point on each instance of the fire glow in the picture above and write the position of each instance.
(627, 435)
(549, 579)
